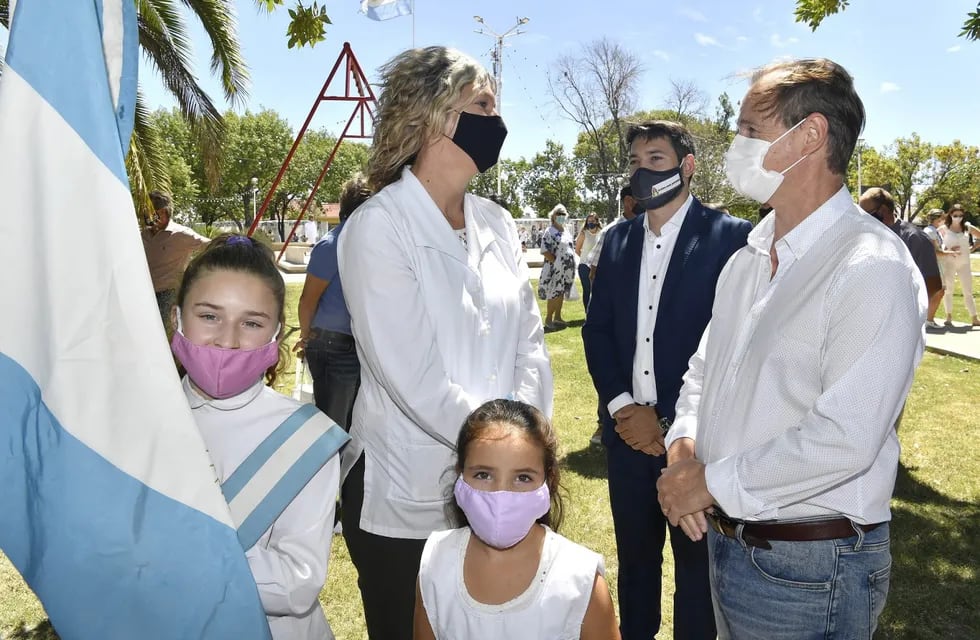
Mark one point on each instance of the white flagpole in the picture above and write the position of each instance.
(413, 24)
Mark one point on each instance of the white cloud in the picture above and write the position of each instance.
(693, 14)
(706, 41)
(779, 42)
(953, 49)
(741, 39)
(661, 54)
(889, 87)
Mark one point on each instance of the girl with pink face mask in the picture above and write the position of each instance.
(275, 458)
(506, 573)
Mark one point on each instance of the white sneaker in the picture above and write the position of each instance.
(932, 324)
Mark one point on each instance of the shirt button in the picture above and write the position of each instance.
(654, 277)
(646, 373)
(650, 307)
(658, 246)
(648, 339)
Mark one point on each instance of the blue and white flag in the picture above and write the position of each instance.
(386, 9)
(109, 506)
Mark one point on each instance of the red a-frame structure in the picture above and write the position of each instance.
(364, 101)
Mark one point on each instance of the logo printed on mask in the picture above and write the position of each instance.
(481, 138)
(501, 518)
(654, 189)
(223, 373)
(743, 166)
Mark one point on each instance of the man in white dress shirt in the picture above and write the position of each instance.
(784, 435)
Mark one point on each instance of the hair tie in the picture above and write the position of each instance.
(239, 240)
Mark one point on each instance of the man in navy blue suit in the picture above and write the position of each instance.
(651, 301)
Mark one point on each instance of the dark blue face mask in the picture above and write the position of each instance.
(481, 138)
(654, 189)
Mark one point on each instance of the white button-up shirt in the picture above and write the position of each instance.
(794, 391)
(657, 250)
(440, 329)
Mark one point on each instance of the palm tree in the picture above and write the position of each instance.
(165, 45)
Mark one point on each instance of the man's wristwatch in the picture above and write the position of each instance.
(665, 425)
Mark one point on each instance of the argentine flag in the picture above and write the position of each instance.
(385, 9)
(108, 505)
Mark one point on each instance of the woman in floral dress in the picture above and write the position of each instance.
(558, 270)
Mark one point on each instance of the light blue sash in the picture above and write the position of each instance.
(264, 484)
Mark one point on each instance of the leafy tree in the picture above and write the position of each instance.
(513, 185)
(554, 178)
(813, 12)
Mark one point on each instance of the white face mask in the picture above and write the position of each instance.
(743, 166)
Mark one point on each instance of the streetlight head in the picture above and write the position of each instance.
(523, 21)
(478, 19)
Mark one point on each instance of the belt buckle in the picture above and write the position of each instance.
(728, 527)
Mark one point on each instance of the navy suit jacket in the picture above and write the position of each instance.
(707, 238)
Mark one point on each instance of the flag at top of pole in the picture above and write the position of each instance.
(386, 9)
(110, 508)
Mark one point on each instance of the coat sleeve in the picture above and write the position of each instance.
(610, 374)
(533, 381)
(394, 333)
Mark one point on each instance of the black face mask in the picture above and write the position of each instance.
(591, 225)
(481, 138)
(654, 189)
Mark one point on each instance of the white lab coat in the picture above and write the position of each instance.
(440, 329)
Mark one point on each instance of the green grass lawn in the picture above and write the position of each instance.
(935, 529)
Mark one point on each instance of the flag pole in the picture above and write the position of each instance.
(413, 24)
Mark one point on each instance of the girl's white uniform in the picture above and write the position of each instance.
(289, 562)
(552, 608)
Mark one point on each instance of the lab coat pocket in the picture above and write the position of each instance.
(420, 472)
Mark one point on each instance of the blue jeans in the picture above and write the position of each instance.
(336, 373)
(800, 590)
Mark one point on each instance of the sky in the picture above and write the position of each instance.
(910, 67)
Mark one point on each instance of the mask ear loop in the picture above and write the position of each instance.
(784, 134)
(180, 326)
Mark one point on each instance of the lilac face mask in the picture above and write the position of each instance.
(501, 518)
(223, 373)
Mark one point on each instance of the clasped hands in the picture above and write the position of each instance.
(639, 427)
(683, 492)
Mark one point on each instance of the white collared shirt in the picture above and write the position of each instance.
(657, 250)
(440, 329)
(794, 391)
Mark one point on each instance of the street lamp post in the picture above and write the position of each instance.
(255, 192)
(498, 63)
(860, 184)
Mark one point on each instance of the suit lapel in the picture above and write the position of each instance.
(687, 241)
(632, 257)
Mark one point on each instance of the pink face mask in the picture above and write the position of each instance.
(501, 518)
(223, 373)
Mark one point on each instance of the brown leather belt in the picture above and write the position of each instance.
(757, 534)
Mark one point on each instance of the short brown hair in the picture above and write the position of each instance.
(816, 85)
(880, 197)
(353, 194)
(680, 138)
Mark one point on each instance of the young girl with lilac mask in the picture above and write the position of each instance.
(507, 573)
(274, 457)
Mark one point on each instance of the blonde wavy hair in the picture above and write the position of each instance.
(419, 88)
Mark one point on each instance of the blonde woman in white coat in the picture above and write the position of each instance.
(442, 312)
